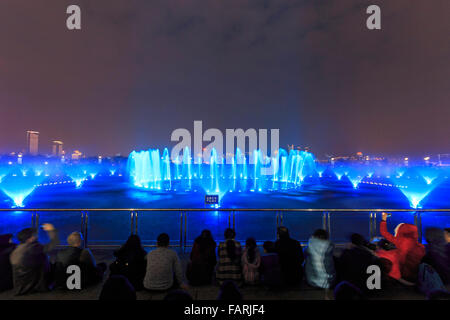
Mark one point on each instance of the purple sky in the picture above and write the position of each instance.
(139, 69)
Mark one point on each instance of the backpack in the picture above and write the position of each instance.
(428, 279)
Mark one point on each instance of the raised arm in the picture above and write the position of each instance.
(53, 235)
(383, 229)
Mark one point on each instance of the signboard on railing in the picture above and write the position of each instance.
(212, 199)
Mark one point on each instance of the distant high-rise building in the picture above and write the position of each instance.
(57, 149)
(32, 142)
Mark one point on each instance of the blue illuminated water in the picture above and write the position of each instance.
(151, 180)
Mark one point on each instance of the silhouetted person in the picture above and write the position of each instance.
(353, 263)
(229, 265)
(163, 267)
(229, 291)
(130, 262)
(319, 267)
(251, 261)
(270, 269)
(203, 260)
(6, 275)
(74, 254)
(31, 267)
(437, 253)
(291, 257)
(117, 288)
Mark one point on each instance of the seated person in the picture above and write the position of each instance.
(163, 267)
(30, 263)
(251, 261)
(91, 273)
(437, 253)
(229, 265)
(203, 260)
(319, 267)
(6, 276)
(353, 263)
(408, 254)
(130, 262)
(291, 257)
(270, 269)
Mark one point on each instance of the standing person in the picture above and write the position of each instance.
(437, 253)
(229, 266)
(251, 260)
(130, 262)
(203, 260)
(6, 275)
(319, 268)
(91, 272)
(409, 252)
(163, 267)
(270, 268)
(29, 260)
(291, 257)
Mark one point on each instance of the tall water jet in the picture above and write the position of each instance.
(18, 187)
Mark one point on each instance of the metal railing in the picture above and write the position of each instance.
(183, 241)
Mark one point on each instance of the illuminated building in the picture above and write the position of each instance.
(57, 149)
(32, 142)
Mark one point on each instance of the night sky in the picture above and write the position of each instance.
(139, 69)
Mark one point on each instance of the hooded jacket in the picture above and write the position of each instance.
(408, 253)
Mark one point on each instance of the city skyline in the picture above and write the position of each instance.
(136, 71)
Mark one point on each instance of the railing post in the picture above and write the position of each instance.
(36, 220)
(281, 218)
(374, 224)
(229, 219)
(132, 221)
(181, 229)
(418, 223)
(278, 217)
(32, 219)
(185, 232)
(136, 223)
(234, 221)
(86, 222)
(329, 224)
(324, 220)
(370, 226)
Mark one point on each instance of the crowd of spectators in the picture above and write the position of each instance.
(401, 258)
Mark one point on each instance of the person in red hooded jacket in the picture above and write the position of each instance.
(409, 252)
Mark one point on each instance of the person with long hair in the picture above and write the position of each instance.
(291, 257)
(251, 260)
(203, 260)
(130, 261)
(229, 252)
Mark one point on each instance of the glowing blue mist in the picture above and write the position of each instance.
(18, 186)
